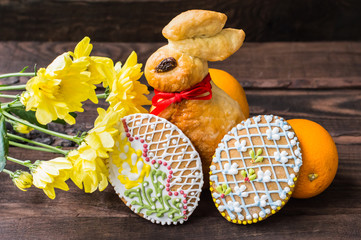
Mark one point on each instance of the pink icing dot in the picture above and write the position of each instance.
(128, 134)
(145, 150)
(176, 194)
(165, 164)
(181, 191)
(168, 180)
(167, 185)
(184, 206)
(170, 193)
(153, 161)
(170, 172)
(160, 161)
(184, 212)
(136, 138)
(185, 218)
(145, 145)
(222, 196)
(141, 140)
(147, 159)
(130, 139)
(184, 195)
(170, 176)
(184, 201)
(144, 154)
(169, 168)
(167, 189)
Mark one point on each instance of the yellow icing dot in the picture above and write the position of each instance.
(228, 218)
(210, 183)
(210, 173)
(283, 203)
(234, 221)
(223, 214)
(217, 205)
(273, 211)
(214, 200)
(290, 192)
(260, 219)
(239, 222)
(255, 220)
(249, 221)
(292, 186)
(286, 198)
(295, 179)
(278, 208)
(211, 189)
(244, 222)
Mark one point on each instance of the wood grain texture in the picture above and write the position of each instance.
(142, 20)
(256, 65)
(317, 81)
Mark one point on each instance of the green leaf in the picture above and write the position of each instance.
(252, 177)
(243, 173)
(259, 159)
(251, 171)
(27, 115)
(24, 69)
(4, 143)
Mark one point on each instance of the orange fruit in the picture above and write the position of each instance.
(319, 156)
(231, 86)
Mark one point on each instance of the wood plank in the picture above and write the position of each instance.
(142, 20)
(267, 65)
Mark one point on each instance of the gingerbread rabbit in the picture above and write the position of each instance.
(184, 92)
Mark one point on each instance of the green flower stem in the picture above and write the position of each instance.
(75, 139)
(18, 74)
(102, 95)
(8, 172)
(16, 144)
(24, 163)
(8, 96)
(54, 149)
(13, 104)
(14, 87)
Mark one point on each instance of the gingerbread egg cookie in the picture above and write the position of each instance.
(155, 170)
(254, 169)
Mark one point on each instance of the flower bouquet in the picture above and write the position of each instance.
(55, 94)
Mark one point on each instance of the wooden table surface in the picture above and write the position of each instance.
(320, 81)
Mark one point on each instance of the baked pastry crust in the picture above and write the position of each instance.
(188, 72)
(215, 48)
(194, 23)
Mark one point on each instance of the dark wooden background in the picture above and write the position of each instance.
(143, 20)
(301, 59)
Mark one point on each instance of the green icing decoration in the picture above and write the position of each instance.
(256, 157)
(146, 198)
(250, 176)
(223, 189)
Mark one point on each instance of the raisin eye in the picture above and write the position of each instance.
(166, 65)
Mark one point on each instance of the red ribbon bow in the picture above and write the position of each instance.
(162, 100)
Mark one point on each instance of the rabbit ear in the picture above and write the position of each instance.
(216, 48)
(194, 23)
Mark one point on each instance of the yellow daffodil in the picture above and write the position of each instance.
(100, 138)
(21, 128)
(101, 68)
(126, 91)
(89, 170)
(59, 89)
(51, 174)
(22, 180)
